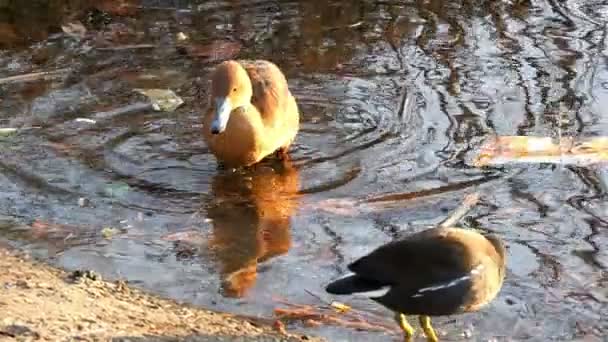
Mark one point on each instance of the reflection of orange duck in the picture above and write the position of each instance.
(251, 221)
(252, 113)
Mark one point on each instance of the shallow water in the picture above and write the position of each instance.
(395, 98)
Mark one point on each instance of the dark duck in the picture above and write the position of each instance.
(435, 272)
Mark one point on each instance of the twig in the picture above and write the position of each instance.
(34, 76)
(310, 314)
(469, 202)
(330, 314)
(318, 297)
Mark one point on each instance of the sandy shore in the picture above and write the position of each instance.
(41, 303)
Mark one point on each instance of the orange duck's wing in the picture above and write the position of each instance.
(270, 91)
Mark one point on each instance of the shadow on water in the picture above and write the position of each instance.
(395, 97)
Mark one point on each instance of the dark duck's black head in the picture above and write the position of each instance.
(439, 271)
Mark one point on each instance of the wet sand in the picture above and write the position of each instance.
(41, 303)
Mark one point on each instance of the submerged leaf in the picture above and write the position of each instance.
(75, 30)
(162, 99)
(117, 189)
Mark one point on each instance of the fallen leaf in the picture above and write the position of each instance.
(340, 307)
(109, 232)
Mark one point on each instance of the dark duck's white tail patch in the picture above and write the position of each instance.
(355, 284)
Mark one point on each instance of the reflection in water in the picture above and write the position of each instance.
(251, 213)
(23, 21)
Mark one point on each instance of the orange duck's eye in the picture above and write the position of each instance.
(234, 89)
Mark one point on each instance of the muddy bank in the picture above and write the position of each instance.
(39, 302)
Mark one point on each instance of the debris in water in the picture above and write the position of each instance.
(91, 121)
(162, 99)
(502, 150)
(75, 30)
(5, 132)
(108, 232)
(340, 307)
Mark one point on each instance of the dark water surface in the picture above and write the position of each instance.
(395, 97)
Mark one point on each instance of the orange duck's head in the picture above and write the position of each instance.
(230, 89)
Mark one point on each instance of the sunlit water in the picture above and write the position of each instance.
(395, 97)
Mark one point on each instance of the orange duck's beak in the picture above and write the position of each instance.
(223, 108)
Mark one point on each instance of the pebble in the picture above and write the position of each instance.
(23, 284)
(83, 202)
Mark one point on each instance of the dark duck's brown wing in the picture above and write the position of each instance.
(432, 272)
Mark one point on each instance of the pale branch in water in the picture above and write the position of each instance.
(34, 76)
(469, 202)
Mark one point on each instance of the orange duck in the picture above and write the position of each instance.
(252, 113)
